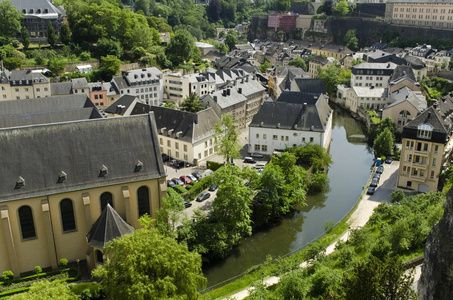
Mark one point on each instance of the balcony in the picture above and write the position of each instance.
(419, 178)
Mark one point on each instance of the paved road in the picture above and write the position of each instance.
(359, 218)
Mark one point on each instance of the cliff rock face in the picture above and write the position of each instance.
(436, 281)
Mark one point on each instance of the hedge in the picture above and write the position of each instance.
(200, 186)
(213, 165)
(73, 274)
(180, 189)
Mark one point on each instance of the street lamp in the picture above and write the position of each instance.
(349, 229)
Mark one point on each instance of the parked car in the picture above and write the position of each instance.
(380, 170)
(259, 166)
(165, 157)
(370, 190)
(197, 175)
(177, 164)
(193, 178)
(187, 204)
(170, 184)
(203, 196)
(177, 181)
(249, 160)
(257, 155)
(185, 179)
(374, 182)
(378, 176)
(213, 187)
(388, 160)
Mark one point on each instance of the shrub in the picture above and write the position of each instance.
(329, 226)
(37, 270)
(180, 189)
(85, 55)
(213, 165)
(317, 183)
(63, 262)
(200, 186)
(8, 275)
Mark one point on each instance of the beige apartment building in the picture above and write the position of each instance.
(23, 84)
(420, 13)
(423, 151)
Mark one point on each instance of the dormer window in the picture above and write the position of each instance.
(38, 11)
(424, 131)
(138, 166)
(103, 171)
(46, 11)
(62, 177)
(31, 11)
(20, 183)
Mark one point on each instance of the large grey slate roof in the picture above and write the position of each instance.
(40, 153)
(80, 83)
(193, 126)
(311, 85)
(23, 75)
(224, 101)
(108, 227)
(35, 5)
(46, 110)
(403, 72)
(310, 117)
(61, 88)
(416, 98)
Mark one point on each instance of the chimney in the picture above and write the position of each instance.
(228, 92)
(215, 98)
(240, 90)
(224, 93)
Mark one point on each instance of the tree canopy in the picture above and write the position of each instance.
(46, 290)
(147, 265)
(330, 78)
(9, 20)
(192, 103)
(298, 62)
(231, 39)
(181, 47)
(341, 8)
(227, 138)
(351, 40)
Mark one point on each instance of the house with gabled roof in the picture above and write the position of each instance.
(295, 119)
(23, 84)
(186, 136)
(426, 146)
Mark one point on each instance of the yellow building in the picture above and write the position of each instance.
(23, 84)
(425, 148)
(56, 179)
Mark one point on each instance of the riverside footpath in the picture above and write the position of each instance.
(358, 218)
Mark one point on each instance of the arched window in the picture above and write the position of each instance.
(405, 113)
(67, 215)
(106, 198)
(99, 256)
(143, 201)
(27, 225)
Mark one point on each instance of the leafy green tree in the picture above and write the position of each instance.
(376, 279)
(85, 55)
(357, 61)
(282, 5)
(25, 38)
(65, 34)
(330, 78)
(227, 136)
(169, 213)
(147, 265)
(350, 38)
(298, 62)
(397, 196)
(56, 64)
(12, 63)
(264, 66)
(10, 18)
(192, 103)
(51, 36)
(384, 143)
(47, 290)
(110, 65)
(230, 210)
(231, 39)
(142, 5)
(293, 285)
(317, 182)
(181, 47)
(214, 10)
(345, 77)
(143, 36)
(341, 8)
(106, 46)
(326, 7)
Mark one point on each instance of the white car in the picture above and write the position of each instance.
(259, 166)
